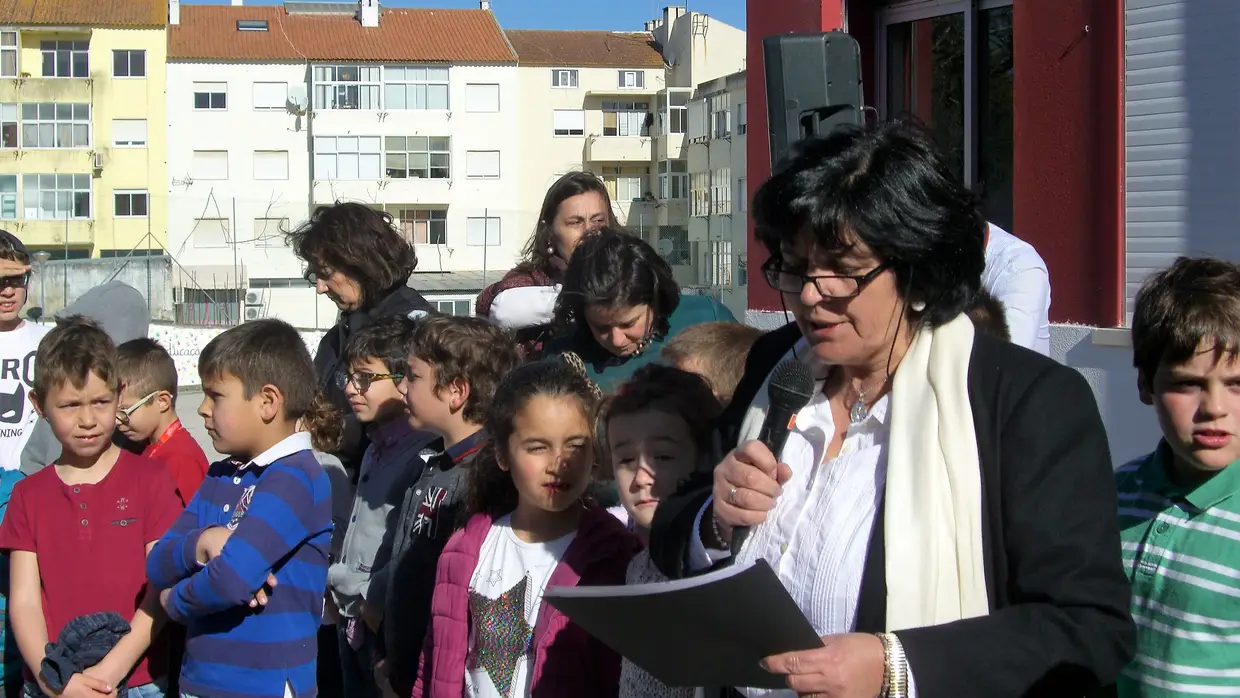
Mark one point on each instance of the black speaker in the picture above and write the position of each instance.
(813, 84)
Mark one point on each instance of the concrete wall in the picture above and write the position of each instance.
(185, 344)
(1104, 357)
(152, 276)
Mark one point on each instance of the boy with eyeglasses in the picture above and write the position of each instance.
(18, 341)
(377, 362)
(147, 413)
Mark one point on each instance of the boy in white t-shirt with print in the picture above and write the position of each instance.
(18, 341)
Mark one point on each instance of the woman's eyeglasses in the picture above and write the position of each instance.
(122, 416)
(363, 379)
(787, 280)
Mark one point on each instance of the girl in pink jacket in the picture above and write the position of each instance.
(531, 527)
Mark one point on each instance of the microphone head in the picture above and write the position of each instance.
(791, 386)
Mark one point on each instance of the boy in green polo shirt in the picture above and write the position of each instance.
(1179, 507)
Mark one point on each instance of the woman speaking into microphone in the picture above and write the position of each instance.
(943, 509)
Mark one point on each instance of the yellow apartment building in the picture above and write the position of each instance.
(83, 125)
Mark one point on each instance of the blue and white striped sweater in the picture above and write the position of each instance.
(279, 506)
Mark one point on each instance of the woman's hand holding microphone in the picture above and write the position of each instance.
(747, 484)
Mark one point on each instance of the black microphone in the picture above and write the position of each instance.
(790, 389)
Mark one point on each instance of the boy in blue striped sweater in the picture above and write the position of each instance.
(245, 567)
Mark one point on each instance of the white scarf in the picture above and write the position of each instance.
(932, 524)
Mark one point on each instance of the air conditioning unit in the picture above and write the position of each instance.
(253, 312)
(98, 161)
(254, 298)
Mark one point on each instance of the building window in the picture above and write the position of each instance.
(563, 78)
(129, 133)
(632, 79)
(422, 226)
(482, 98)
(699, 194)
(418, 157)
(8, 197)
(56, 196)
(210, 165)
(347, 157)
(673, 112)
(270, 95)
(742, 119)
(482, 164)
(269, 232)
(624, 185)
(130, 204)
(210, 96)
(462, 308)
(346, 87)
(415, 88)
(673, 179)
(481, 231)
(129, 63)
(251, 25)
(65, 59)
(8, 54)
(271, 164)
(568, 122)
(721, 191)
(211, 232)
(55, 125)
(742, 195)
(8, 125)
(626, 118)
(719, 108)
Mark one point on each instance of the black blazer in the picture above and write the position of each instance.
(1059, 625)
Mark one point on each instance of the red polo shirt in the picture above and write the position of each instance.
(184, 458)
(91, 539)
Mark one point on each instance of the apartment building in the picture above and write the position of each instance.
(718, 194)
(81, 126)
(278, 109)
(616, 104)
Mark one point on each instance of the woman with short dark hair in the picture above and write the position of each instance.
(355, 257)
(620, 303)
(576, 205)
(943, 510)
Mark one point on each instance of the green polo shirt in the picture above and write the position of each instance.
(1182, 555)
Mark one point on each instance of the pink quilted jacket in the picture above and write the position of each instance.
(567, 661)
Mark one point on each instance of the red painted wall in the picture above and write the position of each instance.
(1068, 130)
(766, 18)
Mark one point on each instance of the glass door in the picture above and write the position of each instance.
(948, 64)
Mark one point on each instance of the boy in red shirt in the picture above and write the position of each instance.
(148, 413)
(78, 531)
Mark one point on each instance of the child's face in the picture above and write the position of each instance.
(374, 391)
(651, 452)
(1198, 406)
(139, 417)
(550, 453)
(429, 409)
(12, 298)
(231, 420)
(81, 418)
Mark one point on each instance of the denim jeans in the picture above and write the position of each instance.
(357, 666)
(154, 689)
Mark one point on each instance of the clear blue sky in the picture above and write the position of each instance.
(625, 15)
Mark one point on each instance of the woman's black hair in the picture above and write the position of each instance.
(488, 488)
(888, 186)
(358, 241)
(613, 268)
(541, 248)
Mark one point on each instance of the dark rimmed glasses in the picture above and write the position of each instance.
(362, 380)
(786, 280)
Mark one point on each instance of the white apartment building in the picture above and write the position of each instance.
(616, 104)
(718, 189)
(275, 110)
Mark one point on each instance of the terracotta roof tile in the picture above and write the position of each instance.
(94, 13)
(209, 32)
(587, 49)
